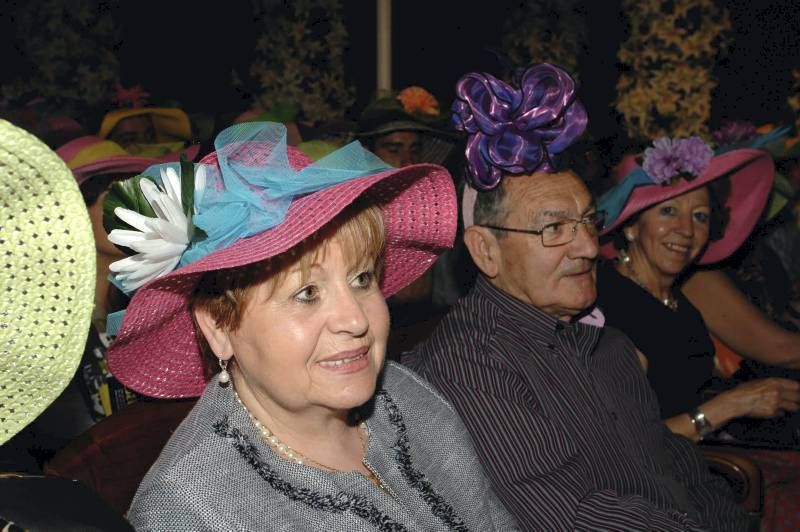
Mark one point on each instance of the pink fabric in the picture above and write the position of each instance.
(73, 147)
(468, 205)
(595, 318)
(625, 166)
(117, 164)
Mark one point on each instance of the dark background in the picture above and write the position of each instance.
(186, 51)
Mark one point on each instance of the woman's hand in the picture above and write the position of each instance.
(764, 398)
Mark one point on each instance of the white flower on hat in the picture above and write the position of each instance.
(159, 242)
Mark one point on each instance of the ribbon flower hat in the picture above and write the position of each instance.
(250, 200)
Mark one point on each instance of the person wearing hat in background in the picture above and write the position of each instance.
(145, 131)
(406, 128)
(686, 206)
(96, 165)
(276, 315)
(47, 284)
(561, 414)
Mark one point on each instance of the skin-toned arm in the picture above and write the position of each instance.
(738, 323)
(762, 398)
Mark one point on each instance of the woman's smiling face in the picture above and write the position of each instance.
(315, 340)
(670, 235)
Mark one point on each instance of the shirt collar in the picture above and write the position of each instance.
(531, 321)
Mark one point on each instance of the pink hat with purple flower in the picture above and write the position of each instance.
(672, 167)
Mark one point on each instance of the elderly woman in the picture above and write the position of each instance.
(683, 207)
(281, 287)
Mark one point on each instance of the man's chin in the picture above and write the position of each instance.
(580, 303)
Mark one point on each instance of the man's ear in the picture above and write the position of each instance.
(484, 249)
(217, 338)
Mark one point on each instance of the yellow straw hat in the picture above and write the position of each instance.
(47, 277)
(170, 123)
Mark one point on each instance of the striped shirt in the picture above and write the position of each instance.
(565, 422)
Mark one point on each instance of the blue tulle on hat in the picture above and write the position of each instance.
(253, 185)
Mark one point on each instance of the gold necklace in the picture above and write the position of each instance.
(298, 458)
(670, 301)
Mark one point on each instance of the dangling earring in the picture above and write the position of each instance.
(224, 376)
(624, 257)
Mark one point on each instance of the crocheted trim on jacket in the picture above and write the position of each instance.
(339, 503)
(416, 479)
(347, 502)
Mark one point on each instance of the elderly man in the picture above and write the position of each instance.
(560, 411)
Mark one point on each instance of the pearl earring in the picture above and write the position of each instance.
(624, 257)
(224, 376)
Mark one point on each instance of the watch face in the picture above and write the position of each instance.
(701, 423)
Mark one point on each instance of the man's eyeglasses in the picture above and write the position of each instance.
(563, 232)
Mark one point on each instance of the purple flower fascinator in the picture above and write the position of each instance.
(514, 131)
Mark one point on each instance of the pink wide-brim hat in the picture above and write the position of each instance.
(156, 352)
(750, 172)
(90, 155)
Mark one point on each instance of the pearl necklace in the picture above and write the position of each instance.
(670, 301)
(298, 458)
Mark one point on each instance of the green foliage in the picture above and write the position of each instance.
(70, 51)
(187, 199)
(551, 31)
(299, 58)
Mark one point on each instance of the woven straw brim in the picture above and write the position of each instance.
(129, 164)
(169, 122)
(750, 172)
(47, 277)
(156, 352)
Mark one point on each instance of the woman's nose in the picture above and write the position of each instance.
(347, 314)
(686, 225)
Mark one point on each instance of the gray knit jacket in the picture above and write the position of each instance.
(216, 473)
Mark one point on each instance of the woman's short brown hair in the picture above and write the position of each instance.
(225, 294)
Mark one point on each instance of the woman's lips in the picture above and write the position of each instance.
(347, 361)
(677, 248)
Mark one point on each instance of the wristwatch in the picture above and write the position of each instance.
(701, 423)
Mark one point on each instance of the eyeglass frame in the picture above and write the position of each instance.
(598, 223)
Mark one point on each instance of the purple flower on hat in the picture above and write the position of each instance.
(512, 130)
(696, 155)
(669, 158)
(662, 162)
(734, 132)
